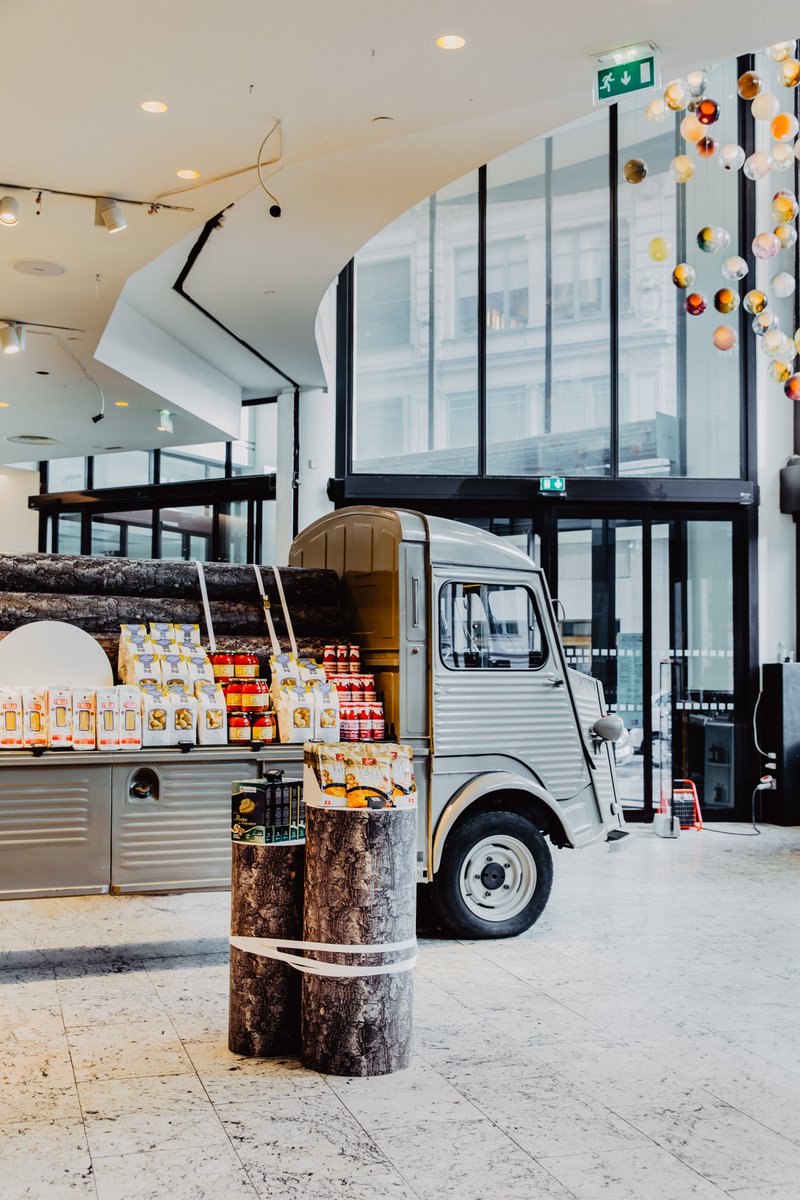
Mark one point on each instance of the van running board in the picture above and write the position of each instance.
(615, 836)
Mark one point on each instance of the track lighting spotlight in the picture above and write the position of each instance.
(107, 212)
(97, 418)
(9, 210)
(12, 338)
(164, 421)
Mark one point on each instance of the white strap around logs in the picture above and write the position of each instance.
(201, 575)
(285, 607)
(269, 948)
(273, 638)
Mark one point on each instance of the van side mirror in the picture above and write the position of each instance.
(610, 728)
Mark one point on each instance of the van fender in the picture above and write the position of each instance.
(480, 788)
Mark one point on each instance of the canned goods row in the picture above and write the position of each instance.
(252, 727)
(357, 688)
(234, 666)
(342, 659)
(247, 694)
(362, 723)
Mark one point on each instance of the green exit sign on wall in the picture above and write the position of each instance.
(629, 69)
(556, 484)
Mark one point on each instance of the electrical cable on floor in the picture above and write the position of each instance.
(735, 832)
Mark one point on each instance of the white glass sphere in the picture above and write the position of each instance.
(758, 165)
(691, 129)
(765, 107)
(698, 82)
(781, 51)
(765, 245)
(731, 157)
(681, 168)
(783, 285)
(656, 110)
(764, 322)
(677, 95)
(734, 267)
(782, 156)
(772, 343)
(724, 338)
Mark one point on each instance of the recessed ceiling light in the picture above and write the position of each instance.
(4, 404)
(35, 266)
(33, 439)
(154, 106)
(375, 120)
(451, 41)
(42, 372)
(120, 403)
(187, 173)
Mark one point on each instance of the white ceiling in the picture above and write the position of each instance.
(73, 76)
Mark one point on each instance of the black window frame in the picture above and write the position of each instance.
(483, 585)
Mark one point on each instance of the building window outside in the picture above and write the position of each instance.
(580, 273)
(384, 304)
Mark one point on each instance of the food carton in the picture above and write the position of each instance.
(130, 718)
(212, 717)
(155, 717)
(10, 719)
(59, 721)
(34, 716)
(107, 719)
(182, 718)
(84, 718)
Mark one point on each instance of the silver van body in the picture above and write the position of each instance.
(509, 724)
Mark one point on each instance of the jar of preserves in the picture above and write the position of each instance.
(239, 729)
(222, 665)
(255, 695)
(245, 666)
(265, 727)
(233, 696)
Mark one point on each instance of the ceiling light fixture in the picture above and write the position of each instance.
(9, 210)
(187, 173)
(4, 404)
(108, 212)
(154, 106)
(120, 403)
(164, 421)
(451, 41)
(12, 338)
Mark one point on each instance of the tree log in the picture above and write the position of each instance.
(360, 889)
(266, 901)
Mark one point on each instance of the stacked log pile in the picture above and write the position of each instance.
(100, 594)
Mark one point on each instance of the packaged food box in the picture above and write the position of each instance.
(182, 719)
(326, 712)
(10, 719)
(295, 714)
(107, 700)
(368, 778)
(323, 775)
(84, 718)
(34, 716)
(59, 718)
(265, 812)
(155, 717)
(130, 718)
(212, 717)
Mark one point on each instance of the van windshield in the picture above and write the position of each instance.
(490, 626)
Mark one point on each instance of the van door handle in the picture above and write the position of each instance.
(555, 680)
(415, 602)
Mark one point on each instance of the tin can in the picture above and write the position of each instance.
(368, 686)
(348, 724)
(354, 659)
(245, 666)
(239, 729)
(329, 659)
(342, 659)
(378, 721)
(364, 714)
(265, 727)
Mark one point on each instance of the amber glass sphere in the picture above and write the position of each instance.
(749, 85)
(683, 276)
(696, 304)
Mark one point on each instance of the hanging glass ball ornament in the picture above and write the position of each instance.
(764, 322)
(784, 127)
(698, 82)
(765, 106)
(734, 268)
(712, 239)
(792, 387)
(749, 85)
(784, 207)
(755, 301)
(771, 343)
(731, 157)
(765, 245)
(683, 276)
(696, 304)
(707, 112)
(782, 156)
(659, 249)
(788, 351)
(726, 301)
(789, 73)
(635, 170)
(691, 129)
(781, 51)
(758, 165)
(681, 168)
(779, 370)
(707, 147)
(656, 110)
(786, 235)
(724, 338)
(677, 95)
(797, 340)
(783, 285)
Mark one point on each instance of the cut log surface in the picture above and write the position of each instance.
(266, 901)
(359, 890)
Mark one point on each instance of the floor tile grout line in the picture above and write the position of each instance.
(80, 1102)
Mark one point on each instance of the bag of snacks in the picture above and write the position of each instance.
(59, 719)
(284, 672)
(145, 669)
(174, 670)
(188, 636)
(212, 716)
(295, 710)
(200, 668)
(326, 712)
(34, 716)
(404, 788)
(155, 719)
(130, 718)
(368, 778)
(107, 719)
(162, 631)
(84, 718)
(323, 775)
(10, 719)
(182, 718)
(310, 670)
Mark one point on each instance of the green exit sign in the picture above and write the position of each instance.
(629, 69)
(553, 483)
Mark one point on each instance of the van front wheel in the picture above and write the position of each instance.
(495, 876)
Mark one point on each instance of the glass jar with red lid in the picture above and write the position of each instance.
(255, 695)
(239, 727)
(222, 665)
(245, 666)
(233, 696)
(265, 727)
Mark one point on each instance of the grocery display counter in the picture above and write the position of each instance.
(74, 823)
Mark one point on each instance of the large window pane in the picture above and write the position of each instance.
(181, 463)
(416, 320)
(66, 475)
(121, 470)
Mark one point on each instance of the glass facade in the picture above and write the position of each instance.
(539, 266)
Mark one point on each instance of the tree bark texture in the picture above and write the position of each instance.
(266, 901)
(360, 889)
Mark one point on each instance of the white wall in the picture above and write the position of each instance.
(19, 525)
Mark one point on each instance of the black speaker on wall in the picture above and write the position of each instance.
(779, 732)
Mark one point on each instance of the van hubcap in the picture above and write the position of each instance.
(497, 878)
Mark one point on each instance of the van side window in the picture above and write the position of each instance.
(490, 626)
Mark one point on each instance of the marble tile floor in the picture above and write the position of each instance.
(640, 1043)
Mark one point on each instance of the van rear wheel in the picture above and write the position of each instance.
(495, 876)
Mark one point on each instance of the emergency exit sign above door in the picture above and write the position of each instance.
(629, 69)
